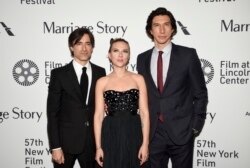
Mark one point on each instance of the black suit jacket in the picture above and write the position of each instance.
(184, 99)
(70, 122)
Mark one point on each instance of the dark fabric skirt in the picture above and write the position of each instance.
(121, 141)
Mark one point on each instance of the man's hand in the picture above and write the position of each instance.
(58, 156)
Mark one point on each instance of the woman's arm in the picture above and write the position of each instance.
(144, 114)
(98, 118)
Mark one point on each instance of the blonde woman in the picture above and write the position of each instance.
(122, 132)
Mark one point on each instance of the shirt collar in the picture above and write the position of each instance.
(166, 50)
(78, 67)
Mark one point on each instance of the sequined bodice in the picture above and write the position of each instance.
(122, 102)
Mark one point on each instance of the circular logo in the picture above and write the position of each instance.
(208, 70)
(25, 72)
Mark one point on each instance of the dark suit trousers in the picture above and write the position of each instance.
(70, 161)
(162, 149)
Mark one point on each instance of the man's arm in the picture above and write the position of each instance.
(199, 90)
(53, 108)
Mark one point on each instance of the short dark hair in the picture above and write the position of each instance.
(157, 12)
(76, 36)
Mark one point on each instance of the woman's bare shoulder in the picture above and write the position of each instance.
(102, 81)
(136, 76)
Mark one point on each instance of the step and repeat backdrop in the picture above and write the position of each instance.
(33, 41)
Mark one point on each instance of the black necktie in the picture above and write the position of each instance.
(84, 84)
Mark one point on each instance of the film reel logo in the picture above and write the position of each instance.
(208, 70)
(25, 72)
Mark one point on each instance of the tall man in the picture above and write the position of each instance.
(177, 93)
(71, 103)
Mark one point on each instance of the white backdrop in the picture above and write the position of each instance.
(33, 40)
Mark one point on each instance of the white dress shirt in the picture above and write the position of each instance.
(78, 69)
(165, 61)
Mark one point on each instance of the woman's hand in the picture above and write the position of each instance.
(143, 154)
(99, 156)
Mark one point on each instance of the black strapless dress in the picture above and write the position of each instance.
(121, 129)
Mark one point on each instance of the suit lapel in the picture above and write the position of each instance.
(148, 61)
(71, 74)
(172, 66)
(92, 86)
